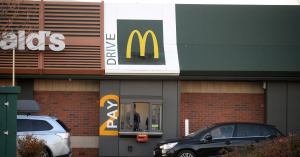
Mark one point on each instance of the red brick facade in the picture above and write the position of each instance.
(203, 109)
(78, 110)
(85, 152)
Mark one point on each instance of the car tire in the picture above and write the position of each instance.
(186, 153)
(45, 153)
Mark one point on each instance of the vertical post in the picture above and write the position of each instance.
(13, 68)
(186, 127)
(41, 28)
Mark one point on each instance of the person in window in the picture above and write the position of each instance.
(136, 119)
(147, 124)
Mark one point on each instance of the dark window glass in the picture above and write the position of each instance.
(271, 132)
(24, 125)
(63, 125)
(275, 132)
(266, 131)
(225, 131)
(247, 130)
(40, 125)
(32, 125)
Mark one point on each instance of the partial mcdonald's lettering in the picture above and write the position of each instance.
(10, 40)
(142, 41)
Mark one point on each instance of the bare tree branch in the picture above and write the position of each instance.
(18, 15)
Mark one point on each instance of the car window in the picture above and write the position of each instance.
(40, 125)
(24, 125)
(225, 131)
(248, 130)
(32, 125)
(269, 131)
(266, 131)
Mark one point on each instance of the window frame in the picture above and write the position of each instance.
(150, 102)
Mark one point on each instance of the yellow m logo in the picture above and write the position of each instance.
(142, 41)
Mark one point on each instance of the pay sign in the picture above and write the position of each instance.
(110, 105)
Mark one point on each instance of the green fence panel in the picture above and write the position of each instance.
(8, 116)
(2, 125)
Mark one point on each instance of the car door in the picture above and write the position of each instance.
(221, 139)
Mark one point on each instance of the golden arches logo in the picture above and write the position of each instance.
(142, 42)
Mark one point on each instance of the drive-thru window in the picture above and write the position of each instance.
(140, 117)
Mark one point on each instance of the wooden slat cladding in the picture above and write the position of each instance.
(79, 22)
(73, 19)
(20, 16)
(74, 57)
(26, 60)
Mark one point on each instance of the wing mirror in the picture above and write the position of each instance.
(208, 138)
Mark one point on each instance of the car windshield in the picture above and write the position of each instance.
(193, 134)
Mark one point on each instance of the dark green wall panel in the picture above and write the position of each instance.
(238, 40)
(8, 120)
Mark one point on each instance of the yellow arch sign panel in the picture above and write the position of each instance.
(142, 41)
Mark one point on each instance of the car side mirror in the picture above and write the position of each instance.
(208, 138)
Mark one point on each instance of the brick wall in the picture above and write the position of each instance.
(204, 108)
(78, 110)
(76, 103)
(85, 152)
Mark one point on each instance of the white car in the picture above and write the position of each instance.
(50, 129)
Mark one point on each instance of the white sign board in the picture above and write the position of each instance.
(140, 39)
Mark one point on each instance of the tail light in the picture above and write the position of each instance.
(63, 135)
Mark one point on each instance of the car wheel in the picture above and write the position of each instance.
(45, 153)
(186, 153)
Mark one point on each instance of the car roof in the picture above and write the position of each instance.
(250, 123)
(36, 117)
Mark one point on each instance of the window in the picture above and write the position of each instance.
(268, 131)
(156, 117)
(140, 117)
(32, 125)
(225, 131)
(24, 125)
(40, 125)
(246, 130)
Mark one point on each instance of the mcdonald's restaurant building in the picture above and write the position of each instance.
(126, 69)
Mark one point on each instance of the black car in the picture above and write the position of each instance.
(211, 140)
